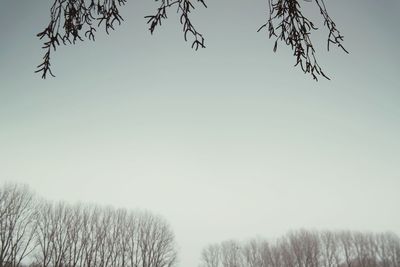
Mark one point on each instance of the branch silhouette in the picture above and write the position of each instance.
(294, 30)
(72, 20)
(69, 18)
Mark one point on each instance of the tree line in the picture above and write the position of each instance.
(37, 232)
(305, 248)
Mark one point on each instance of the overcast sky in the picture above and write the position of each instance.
(227, 142)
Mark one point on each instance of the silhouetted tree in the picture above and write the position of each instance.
(210, 256)
(72, 20)
(17, 224)
(329, 250)
(231, 254)
(252, 254)
(60, 235)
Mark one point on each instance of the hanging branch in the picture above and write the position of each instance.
(70, 19)
(184, 7)
(334, 36)
(294, 29)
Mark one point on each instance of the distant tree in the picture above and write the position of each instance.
(17, 224)
(73, 254)
(345, 239)
(231, 254)
(60, 234)
(313, 249)
(306, 248)
(48, 228)
(72, 20)
(210, 256)
(252, 255)
(288, 258)
(156, 242)
(275, 259)
(329, 250)
(102, 237)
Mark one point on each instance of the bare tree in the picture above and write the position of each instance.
(305, 247)
(297, 247)
(313, 252)
(17, 227)
(103, 237)
(74, 237)
(329, 249)
(60, 235)
(265, 253)
(60, 220)
(252, 254)
(315, 249)
(132, 239)
(210, 256)
(44, 234)
(120, 255)
(288, 257)
(364, 247)
(156, 242)
(276, 257)
(75, 20)
(393, 243)
(52, 234)
(345, 239)
(231, 254)
(90, 242)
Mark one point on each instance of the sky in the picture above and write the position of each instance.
(226, 142)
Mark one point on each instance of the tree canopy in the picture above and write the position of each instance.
(72, 20)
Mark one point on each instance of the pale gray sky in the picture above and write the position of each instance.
(226, 142)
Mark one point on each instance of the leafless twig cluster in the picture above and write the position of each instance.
(184, 7)
(308, 249)
(287, 23)
(58, 234)
(72, 20)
